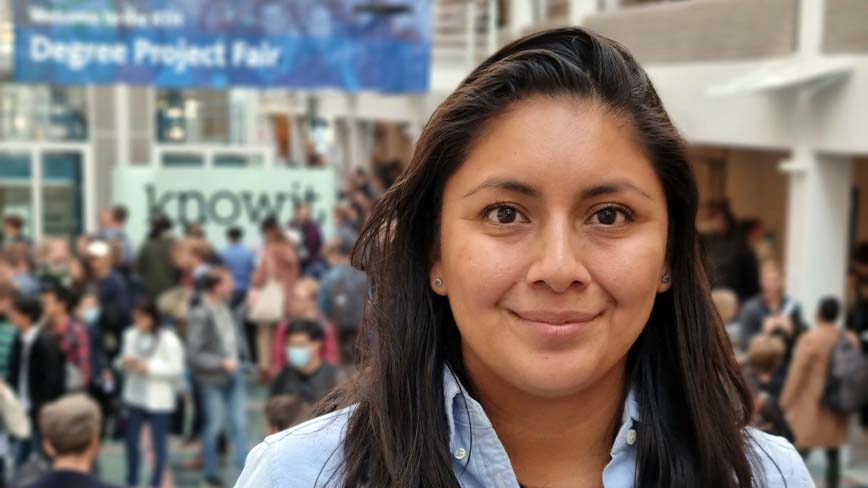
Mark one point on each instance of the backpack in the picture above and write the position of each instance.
(846, 378)
(347, 300)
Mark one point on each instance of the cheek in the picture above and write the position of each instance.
(478, 271)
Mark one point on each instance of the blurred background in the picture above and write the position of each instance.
(216, 115)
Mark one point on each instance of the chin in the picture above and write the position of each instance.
(557, 379)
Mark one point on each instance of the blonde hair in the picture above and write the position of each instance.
(765, 353)
(70, 424)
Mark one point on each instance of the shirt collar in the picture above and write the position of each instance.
(460, 405)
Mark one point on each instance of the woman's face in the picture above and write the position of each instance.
(143, 321)
(552, 247)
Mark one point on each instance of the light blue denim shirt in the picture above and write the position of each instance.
(307, 455)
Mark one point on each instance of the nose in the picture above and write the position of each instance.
(558, 261)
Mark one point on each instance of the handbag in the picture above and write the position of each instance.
(268, 304)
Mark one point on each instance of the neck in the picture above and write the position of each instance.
(27, 328)
(555, 442)
(213, 299)
(773, 298)
(823, 323)
(81, 463)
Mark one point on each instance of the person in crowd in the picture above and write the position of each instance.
(241, 261)
(304, 306)
(154, 264)
(152, 359)
(8, 332)
(56, 262)
(112, 222)
(539, 314)
(71, 431)
(342, 297)
(764, 356)
(814, 424)
(283, 412)
(759, 239)
(80, 276)
(771, 311)
(277, 263)
(346, 225)
(732, 259)
(857, 315)
(113, 294)
(59, 304)
(216, 351)
(15, 266)
(37, 369)
(311, 240)
(13, 232)
(307, 375)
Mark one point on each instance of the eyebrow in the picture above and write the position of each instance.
(614, 187)
(587, 193)
(507, 185)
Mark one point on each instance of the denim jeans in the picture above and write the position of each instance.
(159, 423)
(224, 404)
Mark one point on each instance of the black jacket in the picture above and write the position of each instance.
(47, 369)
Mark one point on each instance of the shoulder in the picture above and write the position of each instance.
(777, 462)
(308, 454)
(753, 305)
(169, 336)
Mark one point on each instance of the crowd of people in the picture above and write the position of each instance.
(797, 370)
(103, 339)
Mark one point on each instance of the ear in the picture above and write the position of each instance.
(437, 273)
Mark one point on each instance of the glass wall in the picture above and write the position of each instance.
(15, 187)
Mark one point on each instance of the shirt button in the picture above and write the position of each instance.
(460, 454)
(631, 437)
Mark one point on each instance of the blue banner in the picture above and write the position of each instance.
(382, 45)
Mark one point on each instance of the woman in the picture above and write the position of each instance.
(153, 359)
(155, 264)
(279, 263)
(540, 315)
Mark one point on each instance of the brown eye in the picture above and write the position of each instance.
(609, 216)
(504, 215)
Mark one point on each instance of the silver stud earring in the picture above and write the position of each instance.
(438, 282)
(666, 279)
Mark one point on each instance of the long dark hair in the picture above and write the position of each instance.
(693, 402)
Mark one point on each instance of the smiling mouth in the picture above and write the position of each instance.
(556, 318)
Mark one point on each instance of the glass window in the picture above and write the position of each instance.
(236, 161)
(15, 193)
(182, 160)
(62, 213)
(54, 113)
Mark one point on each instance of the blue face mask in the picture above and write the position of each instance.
(298, 356)
(91, 315)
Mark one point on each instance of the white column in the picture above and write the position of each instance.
(296, 139)
(579, 9)
(354, 141)
(817, 226)
(36, 182)
(122, 125)
(520, 16)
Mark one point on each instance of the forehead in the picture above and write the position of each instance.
(560, 144)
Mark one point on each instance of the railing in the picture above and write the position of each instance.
(465, 32)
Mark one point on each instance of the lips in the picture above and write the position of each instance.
(554, 328)
(556, 318)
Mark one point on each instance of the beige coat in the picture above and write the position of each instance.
(279, 262)
(813, 424)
